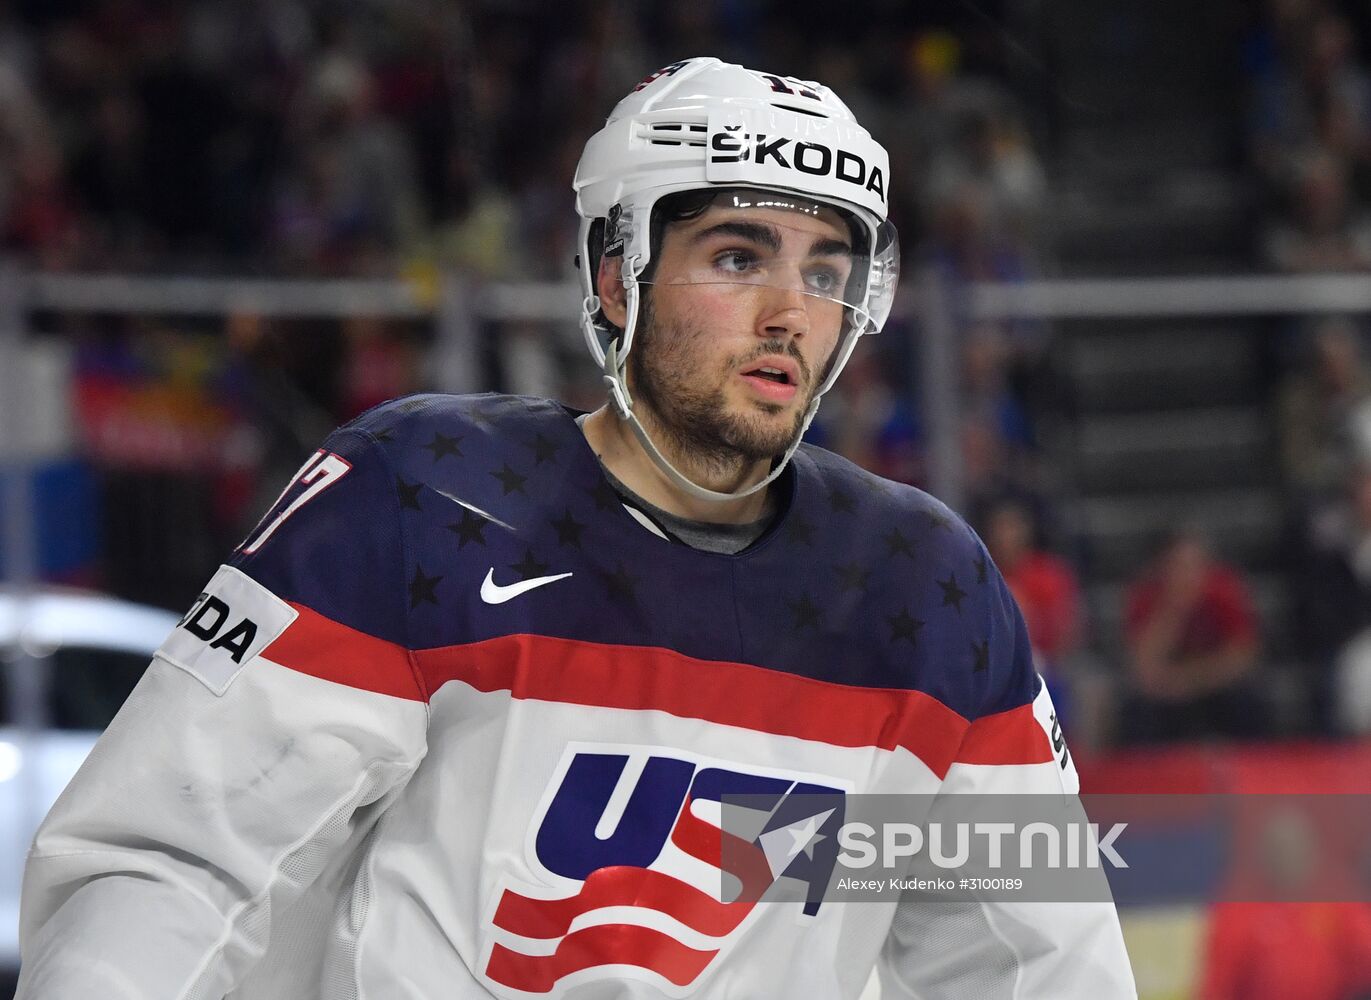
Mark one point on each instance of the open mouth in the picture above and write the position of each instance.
(777, 382)
(770, 375)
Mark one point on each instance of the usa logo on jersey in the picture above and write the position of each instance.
(637, 880)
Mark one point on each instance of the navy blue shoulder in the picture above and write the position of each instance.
(904, 593)
(402, 422)
(873, 500)
(438, 438)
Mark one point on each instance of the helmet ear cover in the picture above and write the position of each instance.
(679, 206)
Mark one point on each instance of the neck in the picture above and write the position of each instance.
(621, 452)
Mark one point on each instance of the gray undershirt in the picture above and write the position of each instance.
(707, 536)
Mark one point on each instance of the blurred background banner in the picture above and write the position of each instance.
(1130, 348)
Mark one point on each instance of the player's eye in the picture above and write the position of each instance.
(736, 261)
(824, 280)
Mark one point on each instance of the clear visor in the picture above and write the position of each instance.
(786, 254)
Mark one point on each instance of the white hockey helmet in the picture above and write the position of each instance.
(703, 123)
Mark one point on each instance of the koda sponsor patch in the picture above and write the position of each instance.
(837, 158)
(233, 620)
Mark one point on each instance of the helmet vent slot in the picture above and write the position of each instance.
(673, 133)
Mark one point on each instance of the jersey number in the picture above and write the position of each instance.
(321, 471)
(789, 85)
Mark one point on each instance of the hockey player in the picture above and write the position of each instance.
(452, 720)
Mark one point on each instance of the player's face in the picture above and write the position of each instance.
(740, 322)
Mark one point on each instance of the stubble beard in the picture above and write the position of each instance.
(689, 414)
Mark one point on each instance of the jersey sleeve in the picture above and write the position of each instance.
(1024, 950)
(270, 731)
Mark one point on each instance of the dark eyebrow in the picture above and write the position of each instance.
(753, 232)
(766, 236)
(830, 248)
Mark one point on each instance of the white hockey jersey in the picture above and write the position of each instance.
(451, 722)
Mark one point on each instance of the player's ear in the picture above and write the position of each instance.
(610, 287)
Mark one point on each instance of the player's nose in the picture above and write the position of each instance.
(784, 313)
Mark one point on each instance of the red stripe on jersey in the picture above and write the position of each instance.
(746, 861)
(321, 647)
(1012, 737)
(621, 885)
(606, 944)
(643, 678)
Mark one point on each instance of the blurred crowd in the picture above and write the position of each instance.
(1197, 654)
(1324, 423)
(368, 137)
(1309, 135)
(1309, 139)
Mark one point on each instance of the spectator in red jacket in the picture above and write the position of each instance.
(1192, 638)
(1044, 585)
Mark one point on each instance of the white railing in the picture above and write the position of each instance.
(1115, 298)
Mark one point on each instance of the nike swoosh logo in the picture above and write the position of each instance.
(493, 593)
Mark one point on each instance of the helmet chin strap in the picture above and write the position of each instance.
(615, 378)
